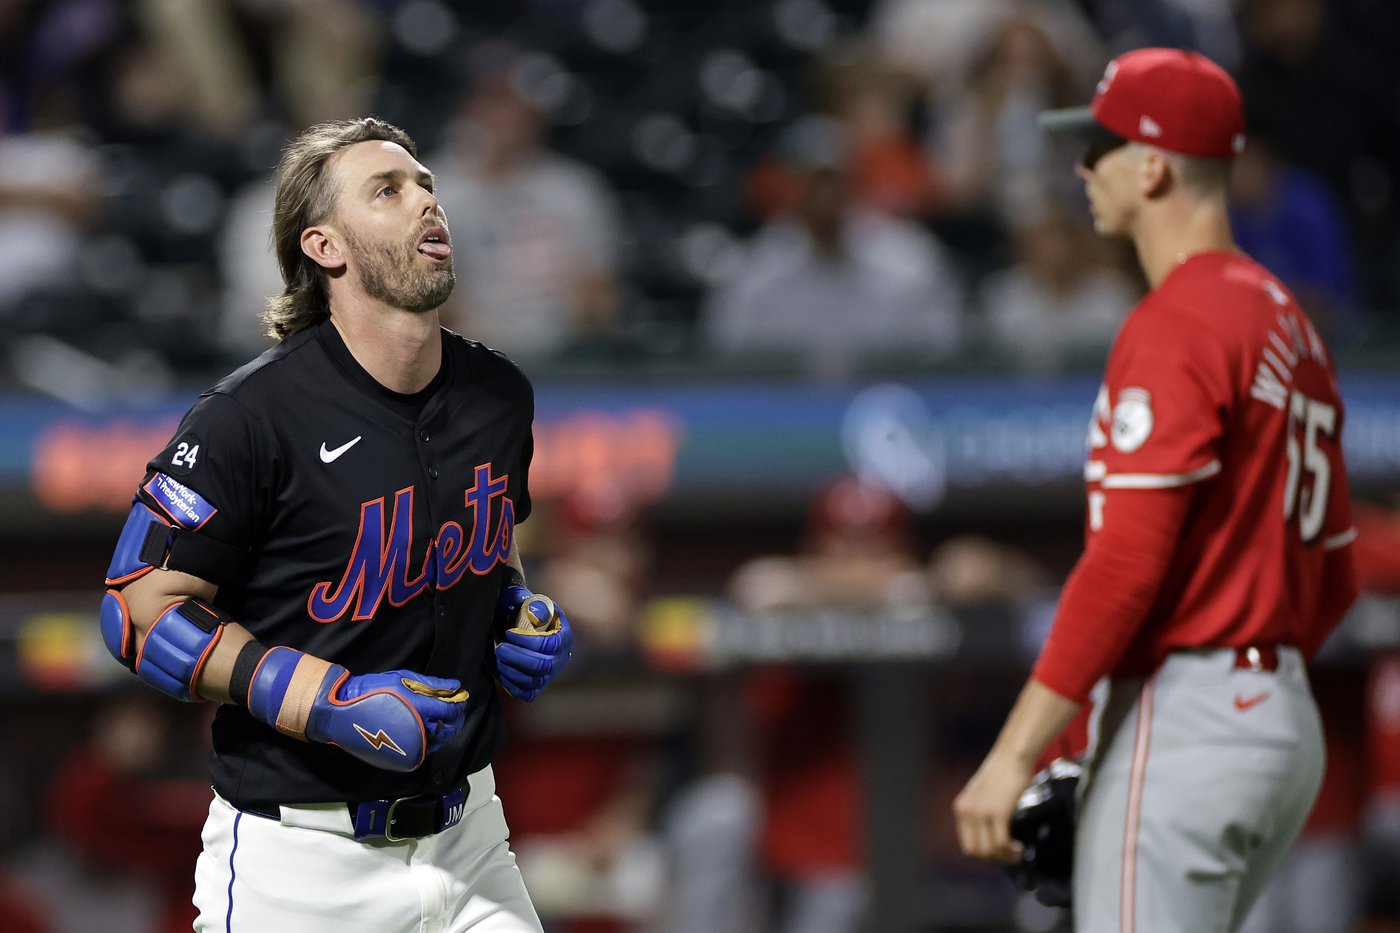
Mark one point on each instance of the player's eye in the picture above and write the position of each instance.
(1100, 148)
(387, 191)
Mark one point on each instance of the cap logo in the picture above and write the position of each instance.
(1148, 127)
(1107, 78)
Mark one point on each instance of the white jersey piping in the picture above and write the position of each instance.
(1160, 480)
(1339, 540)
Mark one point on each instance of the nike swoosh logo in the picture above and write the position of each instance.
(329, 456)
(1244, 703)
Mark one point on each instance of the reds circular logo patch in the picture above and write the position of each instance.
(1132, 420)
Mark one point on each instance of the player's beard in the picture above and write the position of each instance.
(391, 273)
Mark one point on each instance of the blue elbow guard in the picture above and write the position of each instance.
(174, 650)
(177, 646)
(144, 542)
(117, 634)
(150, 540)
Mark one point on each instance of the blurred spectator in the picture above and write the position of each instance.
(147, 102)
(931, 39)
(50, 191)
(993, 152)
(50, 50)
(1287, 219)
(1060, 303)
(1330, 99)
(587, 847)
(216, 85)
(891, 172)
(1205, 26)
(1378, 569)
(974, 572)
(535, 235)
(807, 838)
(248, 269)
(325, 54)
(874, 106)
(20, 908)
(857, 554)
(1326, 99)
(832, 281)
(125, 807)
(311, 61)
(936, 41)
(598, 561)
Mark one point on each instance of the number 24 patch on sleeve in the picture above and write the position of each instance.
(185, 455)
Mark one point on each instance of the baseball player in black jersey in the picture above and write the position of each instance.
(326, 548)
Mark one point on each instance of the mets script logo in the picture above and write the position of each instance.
(378, 565)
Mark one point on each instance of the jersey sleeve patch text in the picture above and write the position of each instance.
(184, 506)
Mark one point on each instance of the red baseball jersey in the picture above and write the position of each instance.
(1219, 381)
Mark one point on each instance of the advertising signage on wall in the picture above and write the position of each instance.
(937, 443)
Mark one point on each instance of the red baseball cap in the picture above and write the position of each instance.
(1175, 100)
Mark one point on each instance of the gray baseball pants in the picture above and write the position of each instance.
(1200, 778)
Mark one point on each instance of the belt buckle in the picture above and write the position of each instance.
(1254, 659)
(443, 813)
(389, 821)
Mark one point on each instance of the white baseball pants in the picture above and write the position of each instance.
(308, 874)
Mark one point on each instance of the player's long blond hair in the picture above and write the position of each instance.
(304, 199)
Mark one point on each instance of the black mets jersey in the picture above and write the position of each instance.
(373, 527)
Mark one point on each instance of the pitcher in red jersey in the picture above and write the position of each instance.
(1217, 553)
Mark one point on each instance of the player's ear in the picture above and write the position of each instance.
(322, 244)
(1154, 172)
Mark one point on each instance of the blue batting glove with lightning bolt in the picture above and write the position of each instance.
(392, 720)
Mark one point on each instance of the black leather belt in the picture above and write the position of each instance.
(408, 817)
(393, 819)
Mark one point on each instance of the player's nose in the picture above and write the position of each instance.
(430, 206)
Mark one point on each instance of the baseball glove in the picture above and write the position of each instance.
(1044, 823)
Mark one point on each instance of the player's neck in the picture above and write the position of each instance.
(400, 349)
(1175, 231)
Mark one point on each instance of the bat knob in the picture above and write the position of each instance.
(540, 610)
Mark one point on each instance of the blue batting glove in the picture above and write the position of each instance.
(527, 661)
(438, 701)
(391, 721)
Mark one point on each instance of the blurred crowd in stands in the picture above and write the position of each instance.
(803, 185)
